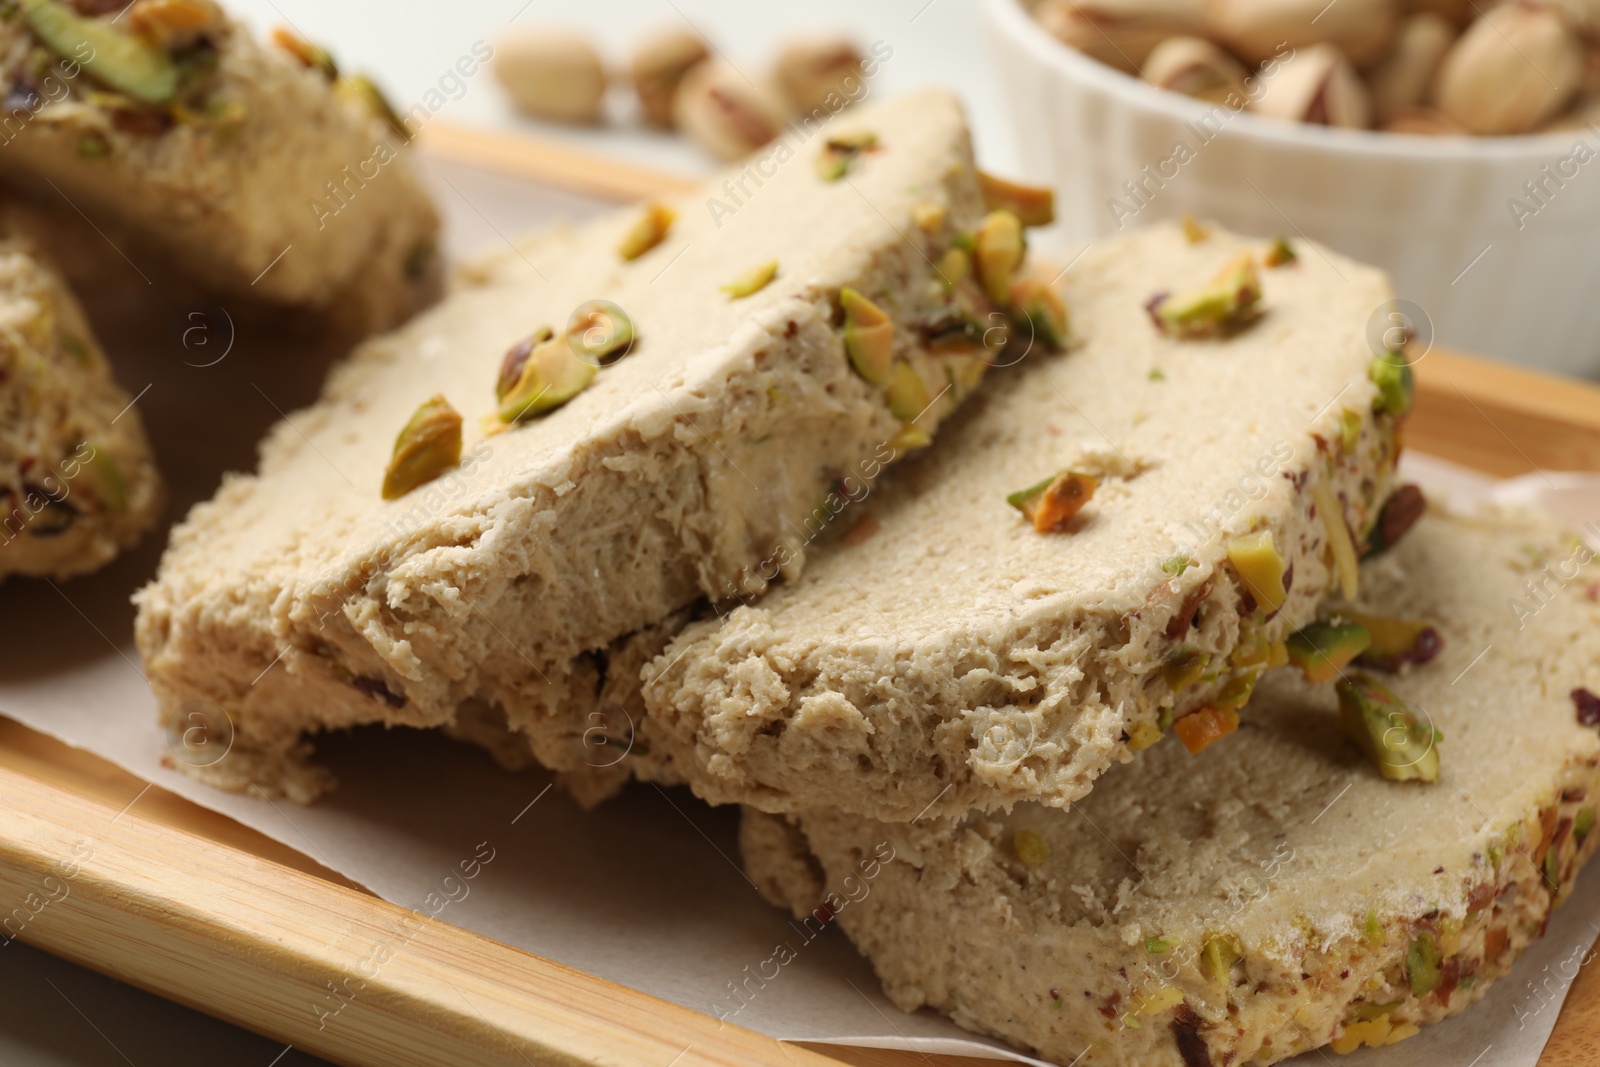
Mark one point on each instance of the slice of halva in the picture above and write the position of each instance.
(961, 658)
(765, 341)
(1277, 893)
(78, 483)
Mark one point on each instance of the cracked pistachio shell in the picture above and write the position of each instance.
(425, 448)
(1512, 71)
(1401, 81)
(1119, 33)
(659, 65)
(1257, 30)
(1195, 67)
(1318, 85)
(725, 113)
(552, 74)
(814, 73)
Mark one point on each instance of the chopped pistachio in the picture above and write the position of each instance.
(313, 56)
(1229, 300)
(1582, 823)
(1324, 649)
(1368, 1012)
(910, 436)
(839, 154)
(929, 216)
(999, 248)
(1260, 651)
(649, 231)
(908, 397)
(106, 480)
(1185, 669)
(429, 445)
(1219, 955)
(1156, 1001)
(1255, 557)
(1198, 730)
(365, 92)
(1396, 641)
(1157, 945)
(114, 57)
(516, 358)
(1141, 735)
(752, 281)
(93, 145)
(1388, 730)
(1349, 430)
(952, 267)
(1157, 374)
(1193, 231)
(1030, 847)
(1033, 205)
(1176, 565)
(1395, 381)
(1345, 561)
(1054, 502)
(1422, 965)
(552, 374)
(1372, 930)
(1280, 253)
(1552, 867)
(1042, 308)
(868, 337)
(1236, 693)
(600, 332)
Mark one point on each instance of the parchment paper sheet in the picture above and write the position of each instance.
(646, 890)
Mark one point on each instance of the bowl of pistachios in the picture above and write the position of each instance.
(1453, 142)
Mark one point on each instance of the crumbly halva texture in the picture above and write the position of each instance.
(77, 481)
(960, 659)
(698, 464)
(252, 166)
(1274, 894)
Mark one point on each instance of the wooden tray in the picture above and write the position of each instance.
(188, 904)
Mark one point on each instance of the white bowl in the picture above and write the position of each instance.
(1436, 212)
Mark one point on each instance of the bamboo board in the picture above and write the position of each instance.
(187, 904)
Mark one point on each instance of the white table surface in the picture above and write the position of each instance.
(58, 1015)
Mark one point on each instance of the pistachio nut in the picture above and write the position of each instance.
(1280, 253)
(1141, 735)
(1195, 67)
(1052, 504)
(1257, 30)
(1260, 567)
(952, 267)
(1185, 669)
(1513, 70)
(910, 436)
(998, 251)
(1030, 848)
(1396, 382)
(1395, 641)
(1119, 33)
(310, 55)
(1037, 303)
(516, 357)
(660, 63)
(908, 396)
(362, 91)
(840, 153)
(819, 74)
(425, 448)
(600, 332)
(1322, 650)
(725, 113)
(1422, 122)
(106, 483)
(1033, 205)
(552, 74)
(551, 374)
(174, 25)
(1229, 300)
(1402, 80)
(929, 215)
(116, 58)
(752, 281)
(648, 231)
(1396, 739)
(1320, 86)
(868, 337)
(1194, 231)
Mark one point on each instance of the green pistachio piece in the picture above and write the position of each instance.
(752, 281)
(105, 479)
(552, 374)
(868, 337)
(600, 332)
(1030, 847)
(1042, 307)
(999, 250)
(516, 358)
(1236, 693)
(1054, 502)
(908, 397)
(839, 154)
(1157, 945)
(1396, 384)
(1324, 649)
(1422, 965)
(1255, 557)
(1185, 669)
(1033, 205)
(1280, 253)
(649, 231)
(1582, 823)
(1388, 730)
(952, 267)
(1229, 300)
(1349, 430)
(429, 445)
(1219, 955)
(1395, 641)
(909, 437)
(114, 57)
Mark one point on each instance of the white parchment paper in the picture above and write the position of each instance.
(645, 891)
